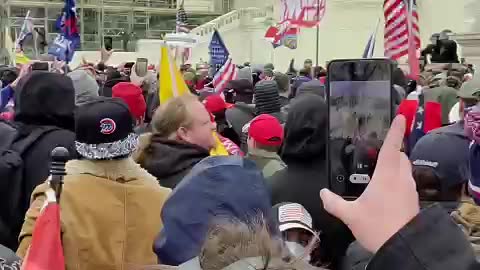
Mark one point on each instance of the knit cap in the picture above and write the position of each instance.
(267, 99)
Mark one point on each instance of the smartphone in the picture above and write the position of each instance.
(41, 66)
(141, 67)
(108, 43)
(359, 98)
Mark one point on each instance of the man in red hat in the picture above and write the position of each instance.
(265, 136)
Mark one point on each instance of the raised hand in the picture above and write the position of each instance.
(390, 200)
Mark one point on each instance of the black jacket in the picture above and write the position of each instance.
(304, 152)
(357, 257)
(243, 90)
(430, 241)
(169, 161)
(106, 90)
(240, 115)
(45, 99)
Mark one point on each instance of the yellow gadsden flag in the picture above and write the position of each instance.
(172, 85)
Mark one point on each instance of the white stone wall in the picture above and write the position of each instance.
(472, 12)
(343, 33)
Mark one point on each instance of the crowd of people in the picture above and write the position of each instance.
(143, 191)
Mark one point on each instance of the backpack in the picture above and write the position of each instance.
(12, 196)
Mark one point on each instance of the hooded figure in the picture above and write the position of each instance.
(312, 87)
(283, 82)
(209, 192)
(43, 116)
(86, 87)
(304, 152)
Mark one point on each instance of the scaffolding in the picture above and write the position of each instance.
(124, 21)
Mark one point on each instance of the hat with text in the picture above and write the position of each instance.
(446, 154)
(104, 129)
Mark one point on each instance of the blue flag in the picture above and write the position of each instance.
(218, 52)
(65, 44)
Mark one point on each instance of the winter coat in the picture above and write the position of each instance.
(267, 162)
(304, 152)
(239, 116)
(430, 241)
(357, 257)
(46, 100)
(243, 90)
(169, 161)
(467, 216)
(110, 215)
(297, 82)
(106, 90)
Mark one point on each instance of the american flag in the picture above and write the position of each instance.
(294, 212)
(182, 26)
(227, 73)
(397, 34)
(182, 20)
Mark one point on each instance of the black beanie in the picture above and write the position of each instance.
(267, 99)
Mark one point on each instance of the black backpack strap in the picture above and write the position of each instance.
(23, 144)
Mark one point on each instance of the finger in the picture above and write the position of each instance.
(336, 206)
(394, 140)
(406, 169)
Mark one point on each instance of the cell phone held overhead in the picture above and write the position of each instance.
(359, 97)
(41, 65)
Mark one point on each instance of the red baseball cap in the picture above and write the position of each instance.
(132, 96)
(215, 104)
(267, 130)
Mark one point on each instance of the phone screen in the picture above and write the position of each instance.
(41, 66)
(141, 67)
(360, 113)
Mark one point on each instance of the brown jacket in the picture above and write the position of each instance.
(110, 215)
(467, 216)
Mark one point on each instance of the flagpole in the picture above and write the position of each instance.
(34, 35)
(375, 35)
(18, 35)
(318, 33)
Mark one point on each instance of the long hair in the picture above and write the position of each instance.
(230, 241)
(166, 121)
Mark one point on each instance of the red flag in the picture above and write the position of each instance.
(46, 251)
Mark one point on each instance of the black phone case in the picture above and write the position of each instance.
(336, 184)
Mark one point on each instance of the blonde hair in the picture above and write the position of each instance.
(168, 118)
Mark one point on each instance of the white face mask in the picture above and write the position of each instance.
(298, 250)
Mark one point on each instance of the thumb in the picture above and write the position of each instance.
(336, 205)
